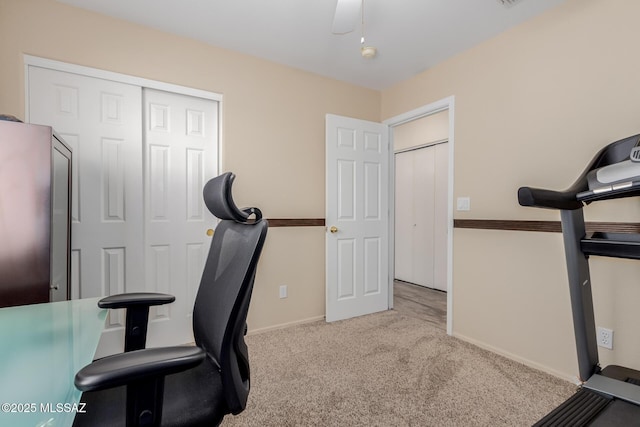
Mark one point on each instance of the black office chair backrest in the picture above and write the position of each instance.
(222, 302)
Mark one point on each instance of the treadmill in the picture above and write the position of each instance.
(609, 396)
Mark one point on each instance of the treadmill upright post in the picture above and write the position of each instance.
(573, 230)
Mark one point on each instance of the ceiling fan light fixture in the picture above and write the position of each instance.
(368, 52)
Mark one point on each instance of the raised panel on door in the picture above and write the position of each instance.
(346, 283)
(373, 262)
(180, 145)
(404, 216)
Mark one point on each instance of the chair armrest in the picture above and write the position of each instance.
(137, 305)
(539, 198)
(135, 299)
(125, 368)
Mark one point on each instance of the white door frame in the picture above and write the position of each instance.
(426, 110)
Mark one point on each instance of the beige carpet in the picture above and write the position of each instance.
(387, 369)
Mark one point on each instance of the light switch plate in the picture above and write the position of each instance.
(283, 291)
(464, 204)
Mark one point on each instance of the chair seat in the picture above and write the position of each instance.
(181, 406)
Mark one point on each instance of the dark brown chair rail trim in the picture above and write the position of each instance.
(486, 224)
(296, 222)
(543, 226)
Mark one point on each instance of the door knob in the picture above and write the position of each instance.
(210, 232)
(333, 229)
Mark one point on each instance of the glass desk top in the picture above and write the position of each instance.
(42, 346)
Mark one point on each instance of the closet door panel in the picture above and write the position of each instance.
(101, 121)
(179, 134)
(424, 215)
(404, 217)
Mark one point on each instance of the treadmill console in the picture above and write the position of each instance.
(614, 180)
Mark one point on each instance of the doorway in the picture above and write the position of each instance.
(446, 106)
(421, 215)
(425, 304)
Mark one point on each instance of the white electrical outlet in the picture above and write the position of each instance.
(283, 291)
(605, 337)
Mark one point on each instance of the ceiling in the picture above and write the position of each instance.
(410, 35)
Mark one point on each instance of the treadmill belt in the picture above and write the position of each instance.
(576, 411)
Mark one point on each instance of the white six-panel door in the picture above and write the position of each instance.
(357, 217)
(179, 158)
(100, 120)
(138, 219)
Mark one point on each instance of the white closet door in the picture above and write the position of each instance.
(421, 216)
(180, 134)
(100, 120)
(424, 215)
(115, 247)
(404, 224)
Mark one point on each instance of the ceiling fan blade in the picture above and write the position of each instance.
(346, 17)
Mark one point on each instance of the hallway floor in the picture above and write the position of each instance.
(423, 303)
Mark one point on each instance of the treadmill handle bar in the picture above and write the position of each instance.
(549, 199)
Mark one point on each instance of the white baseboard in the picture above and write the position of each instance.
(285, 325)
(524, 361)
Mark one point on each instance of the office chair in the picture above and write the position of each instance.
(189, 385)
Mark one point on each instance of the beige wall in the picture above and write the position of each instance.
(532, 106)
(273, 126)
(422, 131)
